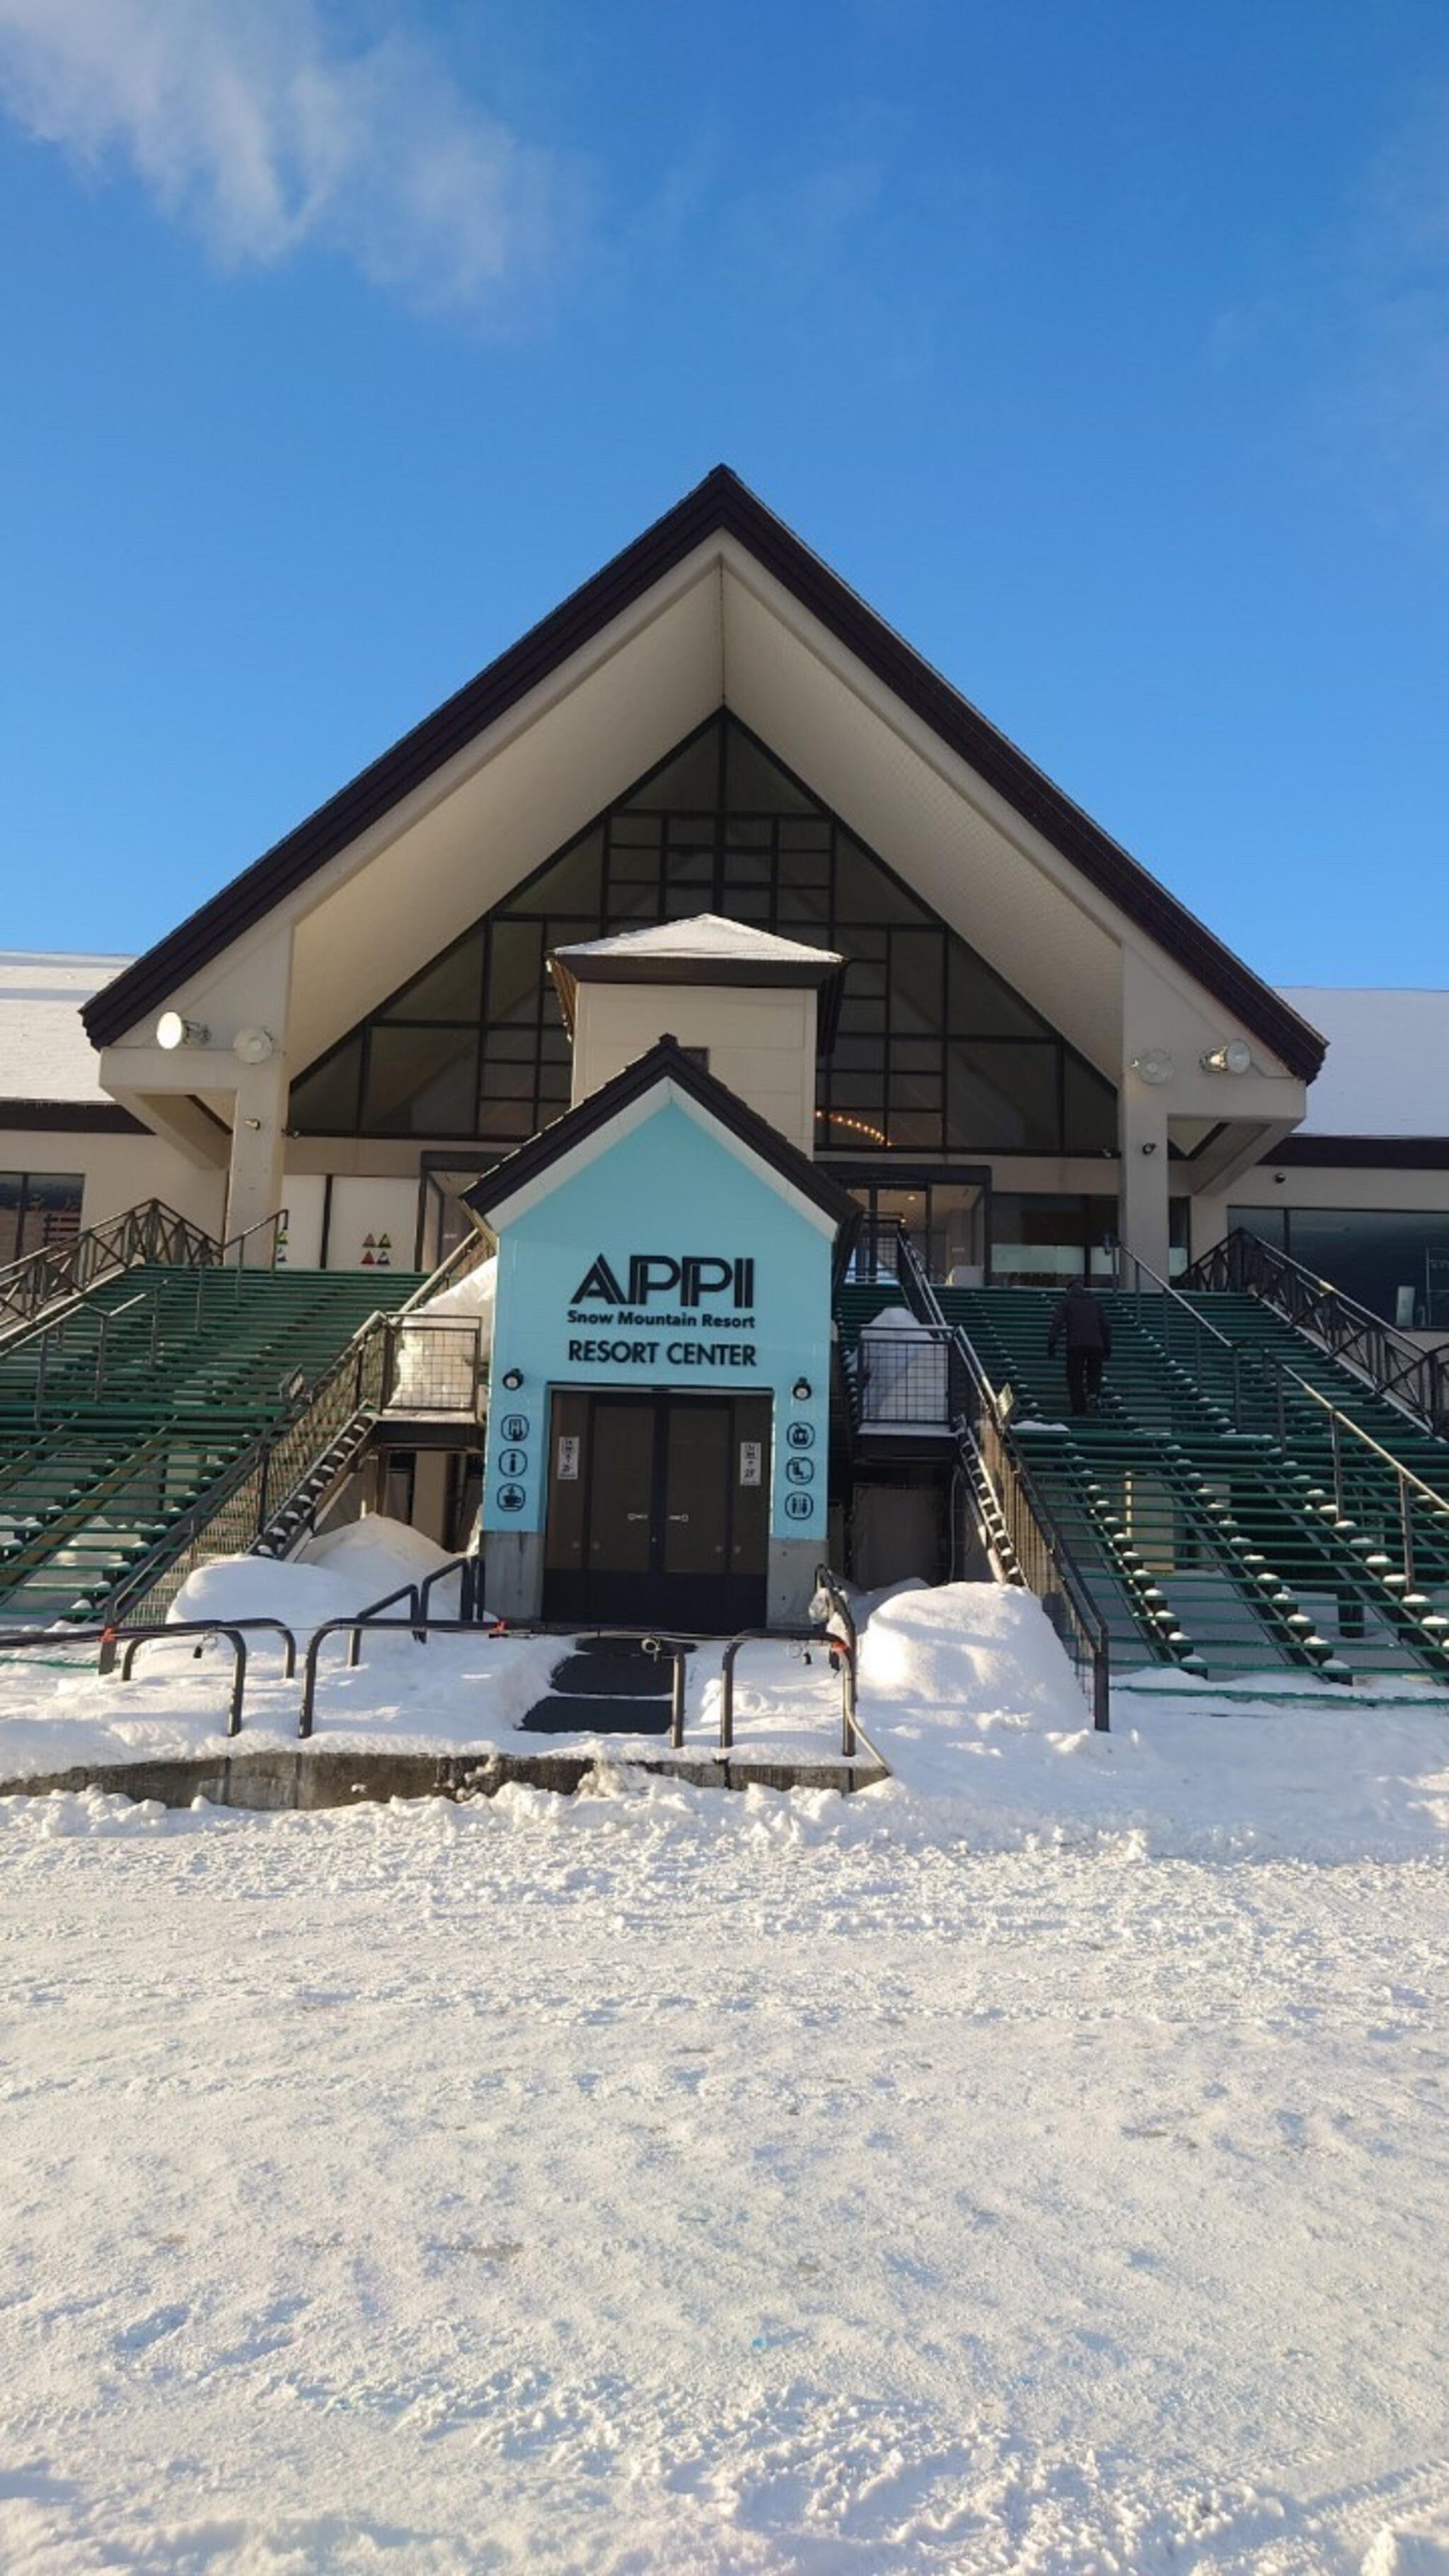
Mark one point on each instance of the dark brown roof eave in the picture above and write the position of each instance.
(721, 504)
(71, 1117)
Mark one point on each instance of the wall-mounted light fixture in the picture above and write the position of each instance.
(252, 1046)
(802, 1390)
(513, 1380)
(173, 1031)
(1236, 1056)
(1151, 1145)
(1154, 1065)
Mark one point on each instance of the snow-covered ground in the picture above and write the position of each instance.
(1036, 2163)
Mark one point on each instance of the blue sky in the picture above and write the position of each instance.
(1103, 348)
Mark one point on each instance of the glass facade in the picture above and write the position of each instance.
(934, 1054)
(1394, 1261)
(1041, 1240)
(36, 1209)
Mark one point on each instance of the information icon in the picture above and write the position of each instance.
(800, 1471)
(514, 1462)
(799, 1507)
(511, 1498)
(800, 1436)
(514, 1426)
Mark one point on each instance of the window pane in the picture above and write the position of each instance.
(420, 1082)
(804, 911)
(572, 884)
(863, 891)
(754, 783)
(1395, 1262)
(1003, 1097)
(979, 1005)
(515, 970)
(1270, 1223)
(690, 781)
(38, 1209)
(1089, 1108)
(450, 989)
(324, 1099)
(917, 965)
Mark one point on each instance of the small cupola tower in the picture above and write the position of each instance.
(754, 1009)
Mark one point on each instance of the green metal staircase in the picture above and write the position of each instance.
(118, 1413)
(1226, 1518)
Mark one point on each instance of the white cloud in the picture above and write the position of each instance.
(259, 124)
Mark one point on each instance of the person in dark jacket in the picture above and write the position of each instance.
(1080, 1321)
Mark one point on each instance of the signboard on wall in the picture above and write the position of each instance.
(665, 1311)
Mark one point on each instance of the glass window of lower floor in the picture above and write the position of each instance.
(37, 1209)
(1041, 1239)
(968, 1233)
(1394, 1261)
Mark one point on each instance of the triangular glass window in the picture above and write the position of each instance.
(934, 1055)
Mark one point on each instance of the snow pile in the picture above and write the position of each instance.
(902, 1371)
(966, 1650)
(344, 1571)
(435, 1365)
(374, 1555)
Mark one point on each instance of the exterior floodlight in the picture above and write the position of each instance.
(1235, 1057)
(1154, 1065)
(801, 1390)
(513, 1380)
(173, 1031)
(252, 1046)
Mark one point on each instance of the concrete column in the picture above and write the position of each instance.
(258, 1154)
(1142, 1213)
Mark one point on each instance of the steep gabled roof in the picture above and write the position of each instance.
(665, 1061)
(720, 505)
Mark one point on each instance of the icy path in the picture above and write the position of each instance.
(667, 2182)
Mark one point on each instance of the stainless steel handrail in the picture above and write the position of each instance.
(1007, 1480)
(1278, 1370)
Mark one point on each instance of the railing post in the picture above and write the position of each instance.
(1237, 1389)
(1336, 1445)
(1406, 1519)
(676, 1701)
(1101, 1687)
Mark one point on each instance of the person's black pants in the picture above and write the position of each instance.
(1084, 1379)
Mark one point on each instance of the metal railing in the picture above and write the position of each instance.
(1413, 1378)
(248, 1503)
(1409, 1488)
(1019, 1528)
(903, 1377)
(150, 1233)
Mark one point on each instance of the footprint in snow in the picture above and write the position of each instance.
(149, 2330)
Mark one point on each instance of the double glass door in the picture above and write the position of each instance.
(945, 1215)
(658, 1509)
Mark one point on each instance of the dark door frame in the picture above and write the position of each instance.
(720, 1603)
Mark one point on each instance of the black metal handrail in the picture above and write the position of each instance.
(1020, 1529)
(1414, 1378)
(150, 1232)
